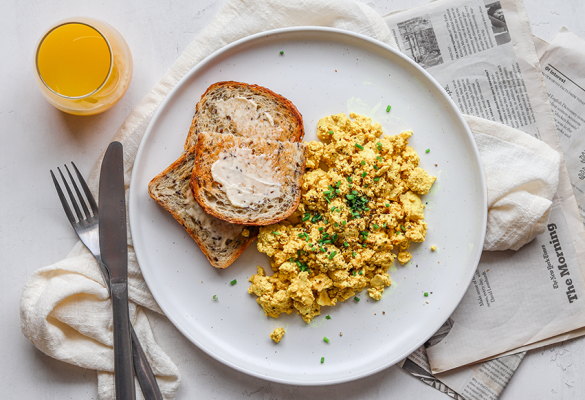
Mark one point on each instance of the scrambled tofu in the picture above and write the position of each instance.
(360, 210)
(277, 334)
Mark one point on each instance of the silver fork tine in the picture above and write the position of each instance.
(85, 210)
(63, 199)
(92, 203)
(73, 200)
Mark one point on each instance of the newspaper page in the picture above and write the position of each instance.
(481, 381)
(532, 297)
(562, 66)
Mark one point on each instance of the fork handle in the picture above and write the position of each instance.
(123, 369)
(144, 373)
(142, 369)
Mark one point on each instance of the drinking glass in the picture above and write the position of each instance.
(83, 65)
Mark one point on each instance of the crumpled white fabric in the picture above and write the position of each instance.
(65, 308)
(522, 175)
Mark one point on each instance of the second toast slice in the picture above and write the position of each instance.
(247, 181)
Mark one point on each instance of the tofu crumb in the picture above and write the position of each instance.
(433, 248)
(277, 335)
(245, 232)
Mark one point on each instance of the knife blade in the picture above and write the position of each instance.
(114, 252)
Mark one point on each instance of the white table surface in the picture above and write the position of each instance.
(35, 137)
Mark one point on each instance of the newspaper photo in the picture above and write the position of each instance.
(483, 55)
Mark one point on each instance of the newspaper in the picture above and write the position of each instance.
(483, 54)
(562, 66)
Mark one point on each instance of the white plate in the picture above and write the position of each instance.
(322, 71)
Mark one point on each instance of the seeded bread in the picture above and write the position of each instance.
(220, 241)
(248, 181)
(245, 110)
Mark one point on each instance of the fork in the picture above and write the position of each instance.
(87, 228)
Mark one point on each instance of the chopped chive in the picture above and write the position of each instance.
(353, 272)
(356, 298)
(233, 282)
(426, 294)
(353, 254)
(376, 226)
(427, 150)
(354, 192)
(403, 228)
(330, 132)
(275, 233)
(322, 360)
(346, 244)
(298, 263)
(306, 217)
(379, 145)
(321, 229)
(361, 273)
(214, 297)
(359, 146)
(338, 184)
(384, 226)
(327, 192)
(388, 108)
(387, 205)
(364, 174)
(363, 162)
(349, 179)
(328, 201)
(323, 249)
(325, 339)
(375, 167)
(376, 179)
(328, 317)
(333, 253)
(344, 222)
(336, 224)
(281, 52)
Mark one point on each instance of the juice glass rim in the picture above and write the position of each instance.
(109, 50)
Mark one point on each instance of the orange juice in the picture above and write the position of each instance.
(83, 66)
(74, 60)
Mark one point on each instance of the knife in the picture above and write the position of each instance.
(114, 251)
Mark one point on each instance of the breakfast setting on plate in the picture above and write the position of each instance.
(269, 200)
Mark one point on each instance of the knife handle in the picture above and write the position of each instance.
(123, 369)
(146, 379)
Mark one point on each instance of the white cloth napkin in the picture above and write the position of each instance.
(65, 309)
(522, 175)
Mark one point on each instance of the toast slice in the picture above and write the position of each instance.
(248, 181)
(220, 241)
(245, 110)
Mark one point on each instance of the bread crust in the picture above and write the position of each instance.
(286, 159)
(168, 189)
(290, 115)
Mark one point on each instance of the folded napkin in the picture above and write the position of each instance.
(522, 175)
(65, 309)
